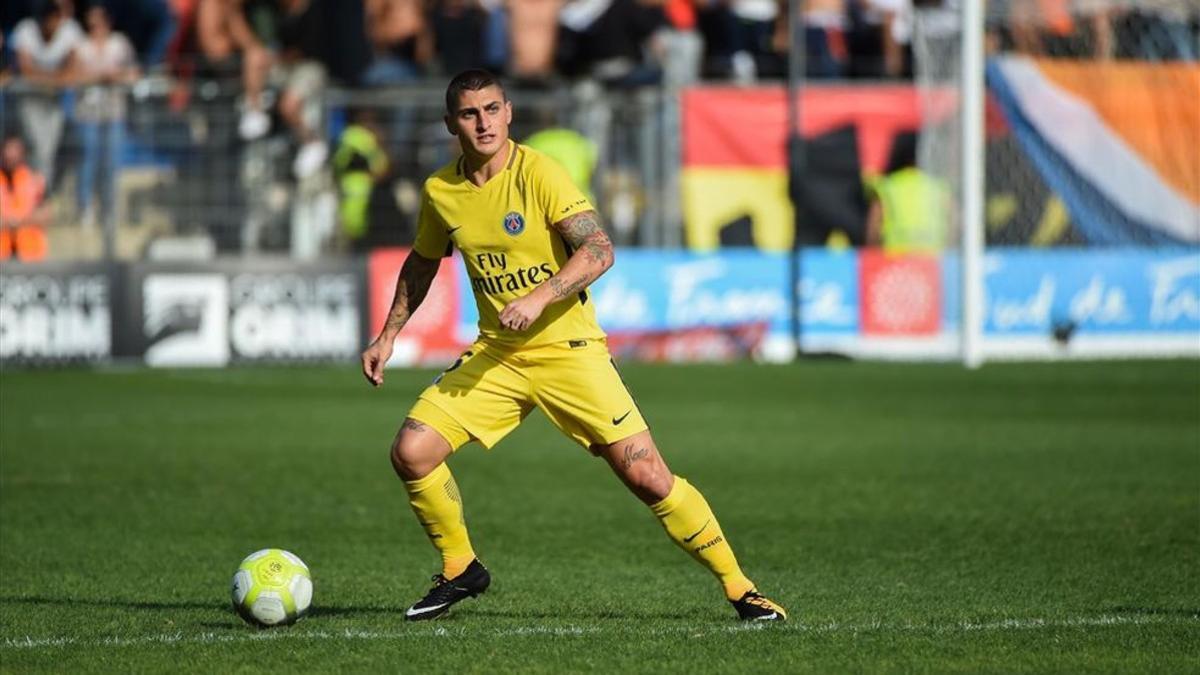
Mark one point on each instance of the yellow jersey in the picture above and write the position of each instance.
(504, 233)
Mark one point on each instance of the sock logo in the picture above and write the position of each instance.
(697, 534)
(710, 543)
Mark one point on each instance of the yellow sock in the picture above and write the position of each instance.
(690, 523)
(438, 505)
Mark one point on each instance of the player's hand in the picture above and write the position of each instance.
(374, 358)
(522, 312)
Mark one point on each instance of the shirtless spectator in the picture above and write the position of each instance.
(533, 30)
(302, 60)
(228, 47)
(400, 43)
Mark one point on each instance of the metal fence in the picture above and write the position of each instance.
(634, 132)
(185, 183)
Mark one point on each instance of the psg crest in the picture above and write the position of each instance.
(514, 223)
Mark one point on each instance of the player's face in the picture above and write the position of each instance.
(481, 121)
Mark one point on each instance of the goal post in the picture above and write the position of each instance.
(1066, 131)
(971, 203)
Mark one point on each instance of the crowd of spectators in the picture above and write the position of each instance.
(277, 56)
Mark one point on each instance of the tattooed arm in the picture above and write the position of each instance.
(592, 256)
(416, 275)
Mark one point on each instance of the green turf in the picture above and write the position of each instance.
(1040, 517)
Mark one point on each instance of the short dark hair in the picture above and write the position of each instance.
(470, 80)
(44, 9)
(904, 151)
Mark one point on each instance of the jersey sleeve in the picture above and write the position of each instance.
(432, 241)
(557, 194)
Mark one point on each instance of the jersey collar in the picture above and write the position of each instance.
(460, 167)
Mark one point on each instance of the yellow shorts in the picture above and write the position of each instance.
(490, 389)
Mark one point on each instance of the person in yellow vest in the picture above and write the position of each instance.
(910, 209)
(573, 151)
(359, 163)
(23, 214)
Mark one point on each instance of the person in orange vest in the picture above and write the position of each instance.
(23, 214)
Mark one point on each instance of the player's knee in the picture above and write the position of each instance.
(650, 481)
(417, 450)
(408, 459)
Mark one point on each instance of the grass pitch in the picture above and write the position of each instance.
(1040, 517)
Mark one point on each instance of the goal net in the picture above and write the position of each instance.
(1091, 203)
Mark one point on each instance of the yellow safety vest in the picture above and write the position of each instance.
(914, 211)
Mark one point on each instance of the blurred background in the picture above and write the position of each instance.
(206, 182)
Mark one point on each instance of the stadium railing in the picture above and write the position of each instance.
(188, 184)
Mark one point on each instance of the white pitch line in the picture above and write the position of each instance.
(264, 636)
(29, 642)
(959, 627)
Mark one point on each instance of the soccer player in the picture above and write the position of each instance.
(532, 244)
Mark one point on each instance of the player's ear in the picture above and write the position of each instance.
(449, 125)
(507, 111)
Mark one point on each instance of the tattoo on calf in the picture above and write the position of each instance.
(631, 455)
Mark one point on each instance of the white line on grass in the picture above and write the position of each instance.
(347, 634)
(180, 637)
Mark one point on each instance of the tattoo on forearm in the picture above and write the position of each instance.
(597, 248)
(563, 288)
(411, 288)
(585, 234)
(632, 455)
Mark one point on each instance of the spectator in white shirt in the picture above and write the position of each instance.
(45, 46)
(104, 62)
